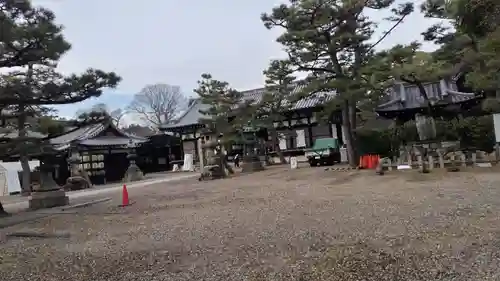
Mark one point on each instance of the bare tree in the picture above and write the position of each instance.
(159, 103)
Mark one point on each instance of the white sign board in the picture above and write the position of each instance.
(282, 142)
(301, 138)
(496, 125)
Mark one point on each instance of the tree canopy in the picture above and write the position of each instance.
(31, 44)
(222, 101)
(333, 41)
(469, 37)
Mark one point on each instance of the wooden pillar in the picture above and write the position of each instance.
(288, 133)
(169, 160)
(309, 131)
(196, 147)
(340, 134)
(182, 146)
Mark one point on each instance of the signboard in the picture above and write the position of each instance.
(301, 138)
(282, 142)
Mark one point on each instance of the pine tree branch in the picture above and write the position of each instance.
(386, 33)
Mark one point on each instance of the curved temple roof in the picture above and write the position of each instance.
(408, 97)
(87, 135)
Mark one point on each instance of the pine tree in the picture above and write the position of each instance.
(332, 40)
(472, 42)
(222, 115)
(277, 99)
(222, 101)
(31, 44)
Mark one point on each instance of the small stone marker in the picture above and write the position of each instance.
(293, 162)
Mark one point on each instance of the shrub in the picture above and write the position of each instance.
(472, 132)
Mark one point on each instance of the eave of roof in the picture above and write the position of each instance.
(439, 93)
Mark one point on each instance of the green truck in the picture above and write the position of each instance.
(325, 151)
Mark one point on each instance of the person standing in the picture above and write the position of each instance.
(237, 160)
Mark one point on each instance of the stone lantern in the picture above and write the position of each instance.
(132, 155)
(48, 194)
(251, 159)
(74, 161)
(133, 173)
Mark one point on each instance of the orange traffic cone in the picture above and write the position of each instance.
(125, 201)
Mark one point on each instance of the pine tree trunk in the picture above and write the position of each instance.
(353, 122)
(225, 165)
(276, 145)
(23, 156)
(349, 116)
(21, 126)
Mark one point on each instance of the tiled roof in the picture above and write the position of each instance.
(82, 133)
(86, 133)
(411, 97)
(193, 115)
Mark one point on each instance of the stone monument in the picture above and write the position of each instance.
(48, 194)
(251, 160)
(214, 166)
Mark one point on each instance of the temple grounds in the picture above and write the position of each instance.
(280, 223)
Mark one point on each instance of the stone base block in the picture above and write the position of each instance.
(48, 199)
(251, 164)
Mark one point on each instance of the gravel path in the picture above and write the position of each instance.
(307, 224)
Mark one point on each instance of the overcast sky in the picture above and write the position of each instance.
(174, 42)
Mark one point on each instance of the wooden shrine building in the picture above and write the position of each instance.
(157, 153)
(298, 128)
(101, 147)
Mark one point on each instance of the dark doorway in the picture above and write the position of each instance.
(63, 171)
(115, 164)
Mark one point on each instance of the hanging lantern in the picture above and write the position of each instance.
(426, 127)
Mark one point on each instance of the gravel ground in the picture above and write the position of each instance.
(307, 224)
